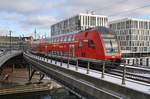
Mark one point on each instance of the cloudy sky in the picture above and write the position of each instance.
(23, 16)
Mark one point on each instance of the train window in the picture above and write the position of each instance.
(111, 45)
(91, 44)
(80, 44)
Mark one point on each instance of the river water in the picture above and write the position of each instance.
(60, 93)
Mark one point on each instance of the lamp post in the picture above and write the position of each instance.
(20, 42)
(10, 39)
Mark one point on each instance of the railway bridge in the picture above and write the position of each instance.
(5, 56)
(87, 83)
(84, 82)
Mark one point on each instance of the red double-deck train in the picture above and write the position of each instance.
(98, 43)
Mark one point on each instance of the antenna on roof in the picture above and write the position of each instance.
(35, 33)
(87, 11)
(93, 12)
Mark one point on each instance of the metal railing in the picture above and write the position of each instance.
(88, 61)
(138, 62)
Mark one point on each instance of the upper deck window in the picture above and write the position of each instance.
(91, 44)
(80, 44)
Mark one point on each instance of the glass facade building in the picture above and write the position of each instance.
(133, 34)
(78, 23)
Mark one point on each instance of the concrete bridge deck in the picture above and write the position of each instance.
(91, 85)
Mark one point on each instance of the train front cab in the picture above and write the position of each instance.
(111, 46)
(96, 44)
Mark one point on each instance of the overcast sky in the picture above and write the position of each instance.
(23, 16)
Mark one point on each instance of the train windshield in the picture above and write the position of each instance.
(110, 42)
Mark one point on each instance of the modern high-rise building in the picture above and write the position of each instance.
(77, 23)
(133, 34)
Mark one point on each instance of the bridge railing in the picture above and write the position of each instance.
(138, 62)
(50, 58)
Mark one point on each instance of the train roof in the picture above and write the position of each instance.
(100, 29)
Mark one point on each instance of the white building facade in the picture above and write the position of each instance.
(78, 23)
(133, 34)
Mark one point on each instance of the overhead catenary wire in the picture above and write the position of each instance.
(129, 11)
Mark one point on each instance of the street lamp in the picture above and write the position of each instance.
(20, 44)
(10, 39)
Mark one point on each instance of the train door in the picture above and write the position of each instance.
(71, 50)
(82, 48)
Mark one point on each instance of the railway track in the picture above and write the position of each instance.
(134, 75)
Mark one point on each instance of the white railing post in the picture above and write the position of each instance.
(88, 67)
(103, 69)
(124, 75)
(77, 65)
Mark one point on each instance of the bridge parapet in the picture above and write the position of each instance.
(5, 56)
(89, 85)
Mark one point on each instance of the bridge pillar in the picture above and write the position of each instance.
(31, 73)
(41, 77)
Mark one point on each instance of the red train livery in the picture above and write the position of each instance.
(98, 43)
